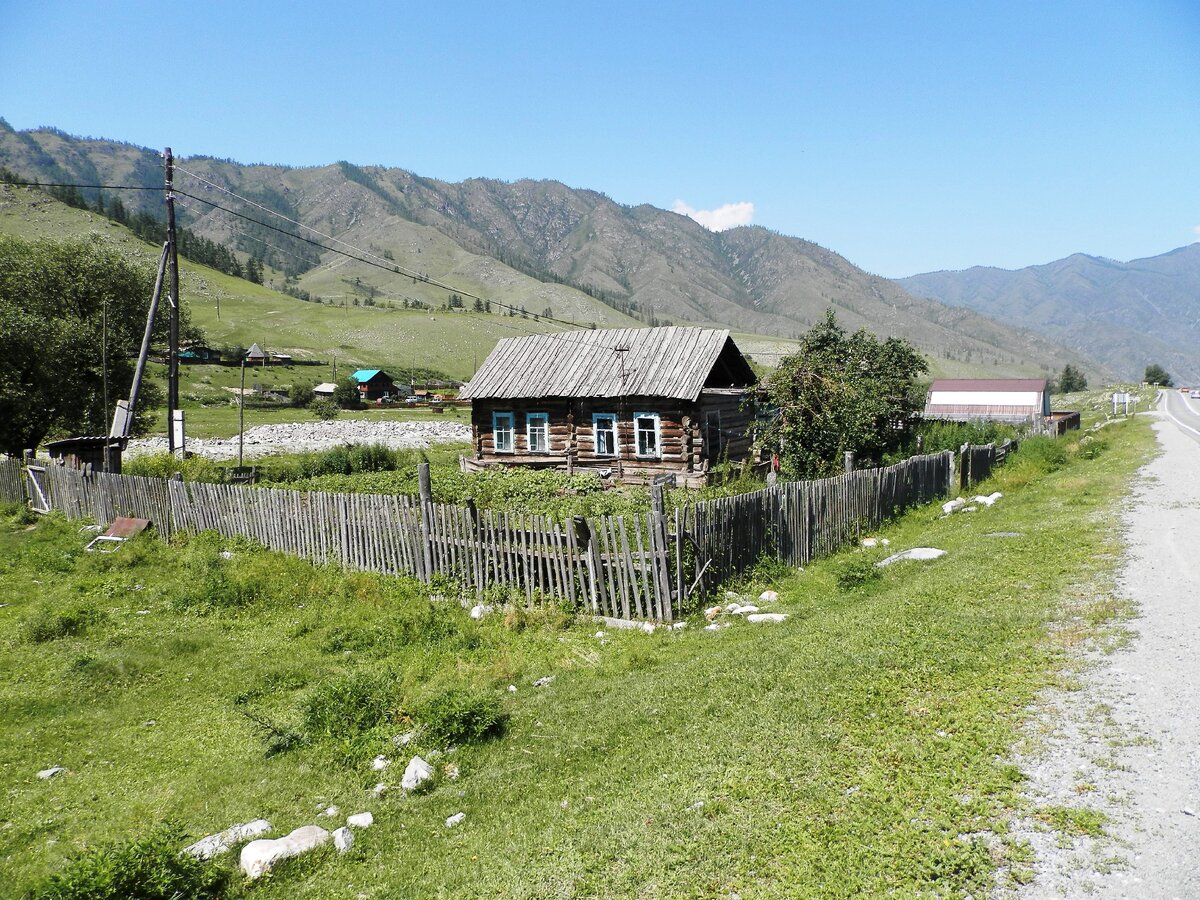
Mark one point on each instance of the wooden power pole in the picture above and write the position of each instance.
(173, 296)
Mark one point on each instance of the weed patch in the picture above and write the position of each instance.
(460, 716)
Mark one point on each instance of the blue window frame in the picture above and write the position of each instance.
(502, 432)
(604, 433)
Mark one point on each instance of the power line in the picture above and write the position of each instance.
(106, 187)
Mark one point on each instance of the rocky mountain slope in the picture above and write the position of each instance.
(1125, 315)
(541, 245)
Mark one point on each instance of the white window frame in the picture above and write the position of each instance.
(615, 432)
(540, 419)
(638, 431)
(498, 428)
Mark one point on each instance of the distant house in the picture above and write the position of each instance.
(198, 353)
(325, 389)
(256, 355)
(374, 384)
(1012, 400)
(631, 403)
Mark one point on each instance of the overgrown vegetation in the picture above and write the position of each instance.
(860, 743)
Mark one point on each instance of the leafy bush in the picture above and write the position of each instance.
(938, 436)
(348, 705)
(49, 624)
(301, 393)
(324, 408)
(1044, 453)
(460, 715)
(857, 572)
(164, 465)
(146, 868)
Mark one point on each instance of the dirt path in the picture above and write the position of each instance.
(1126, 744)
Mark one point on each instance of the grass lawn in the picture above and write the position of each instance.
(855, 749)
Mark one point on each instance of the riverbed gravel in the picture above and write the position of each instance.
(1122, 738)
(304, 437)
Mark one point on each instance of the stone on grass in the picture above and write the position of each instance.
(329, 812)
(343, 839)
(479, 610)
(679, 626)
(379, 790)
(416, 773)
(512, 688)
(917, 553)
(869, 542)
(258, 857)
(543, 681)
(766, 617)
(648, 627)
(403, 740)
(455, 819)
(743, 610)
(716, 626)
(51, 772)
(952, 505)
(360, 820)
(380, 763)
(769, 596)
(712, 612)
(223, 841)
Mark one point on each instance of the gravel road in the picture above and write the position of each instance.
(1127, 742)
(302, 437)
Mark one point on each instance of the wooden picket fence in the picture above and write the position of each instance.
(976, 461)
(654, 565)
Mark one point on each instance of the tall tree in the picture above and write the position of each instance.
(1071, 380)
(842, 392)
(1156, 374)
(54, 297)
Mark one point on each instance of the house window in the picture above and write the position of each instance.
(604, 429)
(502, 432)
(537, 432)
(646, 429)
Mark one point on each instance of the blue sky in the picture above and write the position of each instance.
(907, 136)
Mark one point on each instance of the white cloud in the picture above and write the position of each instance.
(720, 219)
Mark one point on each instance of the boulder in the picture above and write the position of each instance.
(380, 763)
(743, 610)
(766, 617)
(258, 857)
(952, 505)
(917, 553)
(223, 841)
(360, 820)
(769, 596)
(343, 839)
(416, 773)
(403, 740)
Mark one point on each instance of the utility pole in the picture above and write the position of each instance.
(173, 297)
(242, 412)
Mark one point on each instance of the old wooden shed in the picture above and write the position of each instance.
(629, 403)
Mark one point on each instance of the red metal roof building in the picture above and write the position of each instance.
(995, 399)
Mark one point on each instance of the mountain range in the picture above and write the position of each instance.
(1124, 315)
(541, 245)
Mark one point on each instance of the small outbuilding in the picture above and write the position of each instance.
(325, 389)
(1012, 400)
(632, 403)
(88, 454)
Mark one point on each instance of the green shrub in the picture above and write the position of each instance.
(324, 408)
(51, 624)
(460, 715)
(349, 705)
(938, 436)
(1046, 454)
(856, 572)
(146, 868)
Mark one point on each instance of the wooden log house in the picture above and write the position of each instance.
(630, 404)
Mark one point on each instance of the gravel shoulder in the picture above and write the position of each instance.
(1126, 743)
(305, 437)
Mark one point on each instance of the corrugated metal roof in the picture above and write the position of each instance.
(989, 384)
(365, 374)
(671, 361)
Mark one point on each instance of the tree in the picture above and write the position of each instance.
(840, 393)
(346, 394)
(54, 297)
(324, 408)
(300, 393)
(1156, 374)
(1071, 380)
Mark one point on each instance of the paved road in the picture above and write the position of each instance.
(1128, 742)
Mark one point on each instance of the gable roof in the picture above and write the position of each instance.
(255, 352)
(989, 384)
(362, 376)
(671, 361)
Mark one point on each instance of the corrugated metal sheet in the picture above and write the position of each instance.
(365, 374)
(989, 384)
(672, 361)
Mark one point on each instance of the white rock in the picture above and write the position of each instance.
(360, 820)
(769, 596)
(225, 554)
(884, 541)
(480, 610)
(455, 819)
(329, 812)
(601, 634)
(379, 790)
(918, 553)
(744, 610)
(258, 857)
(416, 773)
(732, 595)
(380, 763)
(870, 542)
(699, 804)
(648, 627)
(543, 681)
(512, 688)
(343, 839)
(679, 626)
(733, 609)
(51, 772)
(716, 626)
(223, 841)
(766, 617)
(403, 740)
(970, 509)
(952, 505)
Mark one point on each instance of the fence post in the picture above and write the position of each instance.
(660, 552)
(848, 461)
(583, 540)
(964, 467)
(425, 488)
